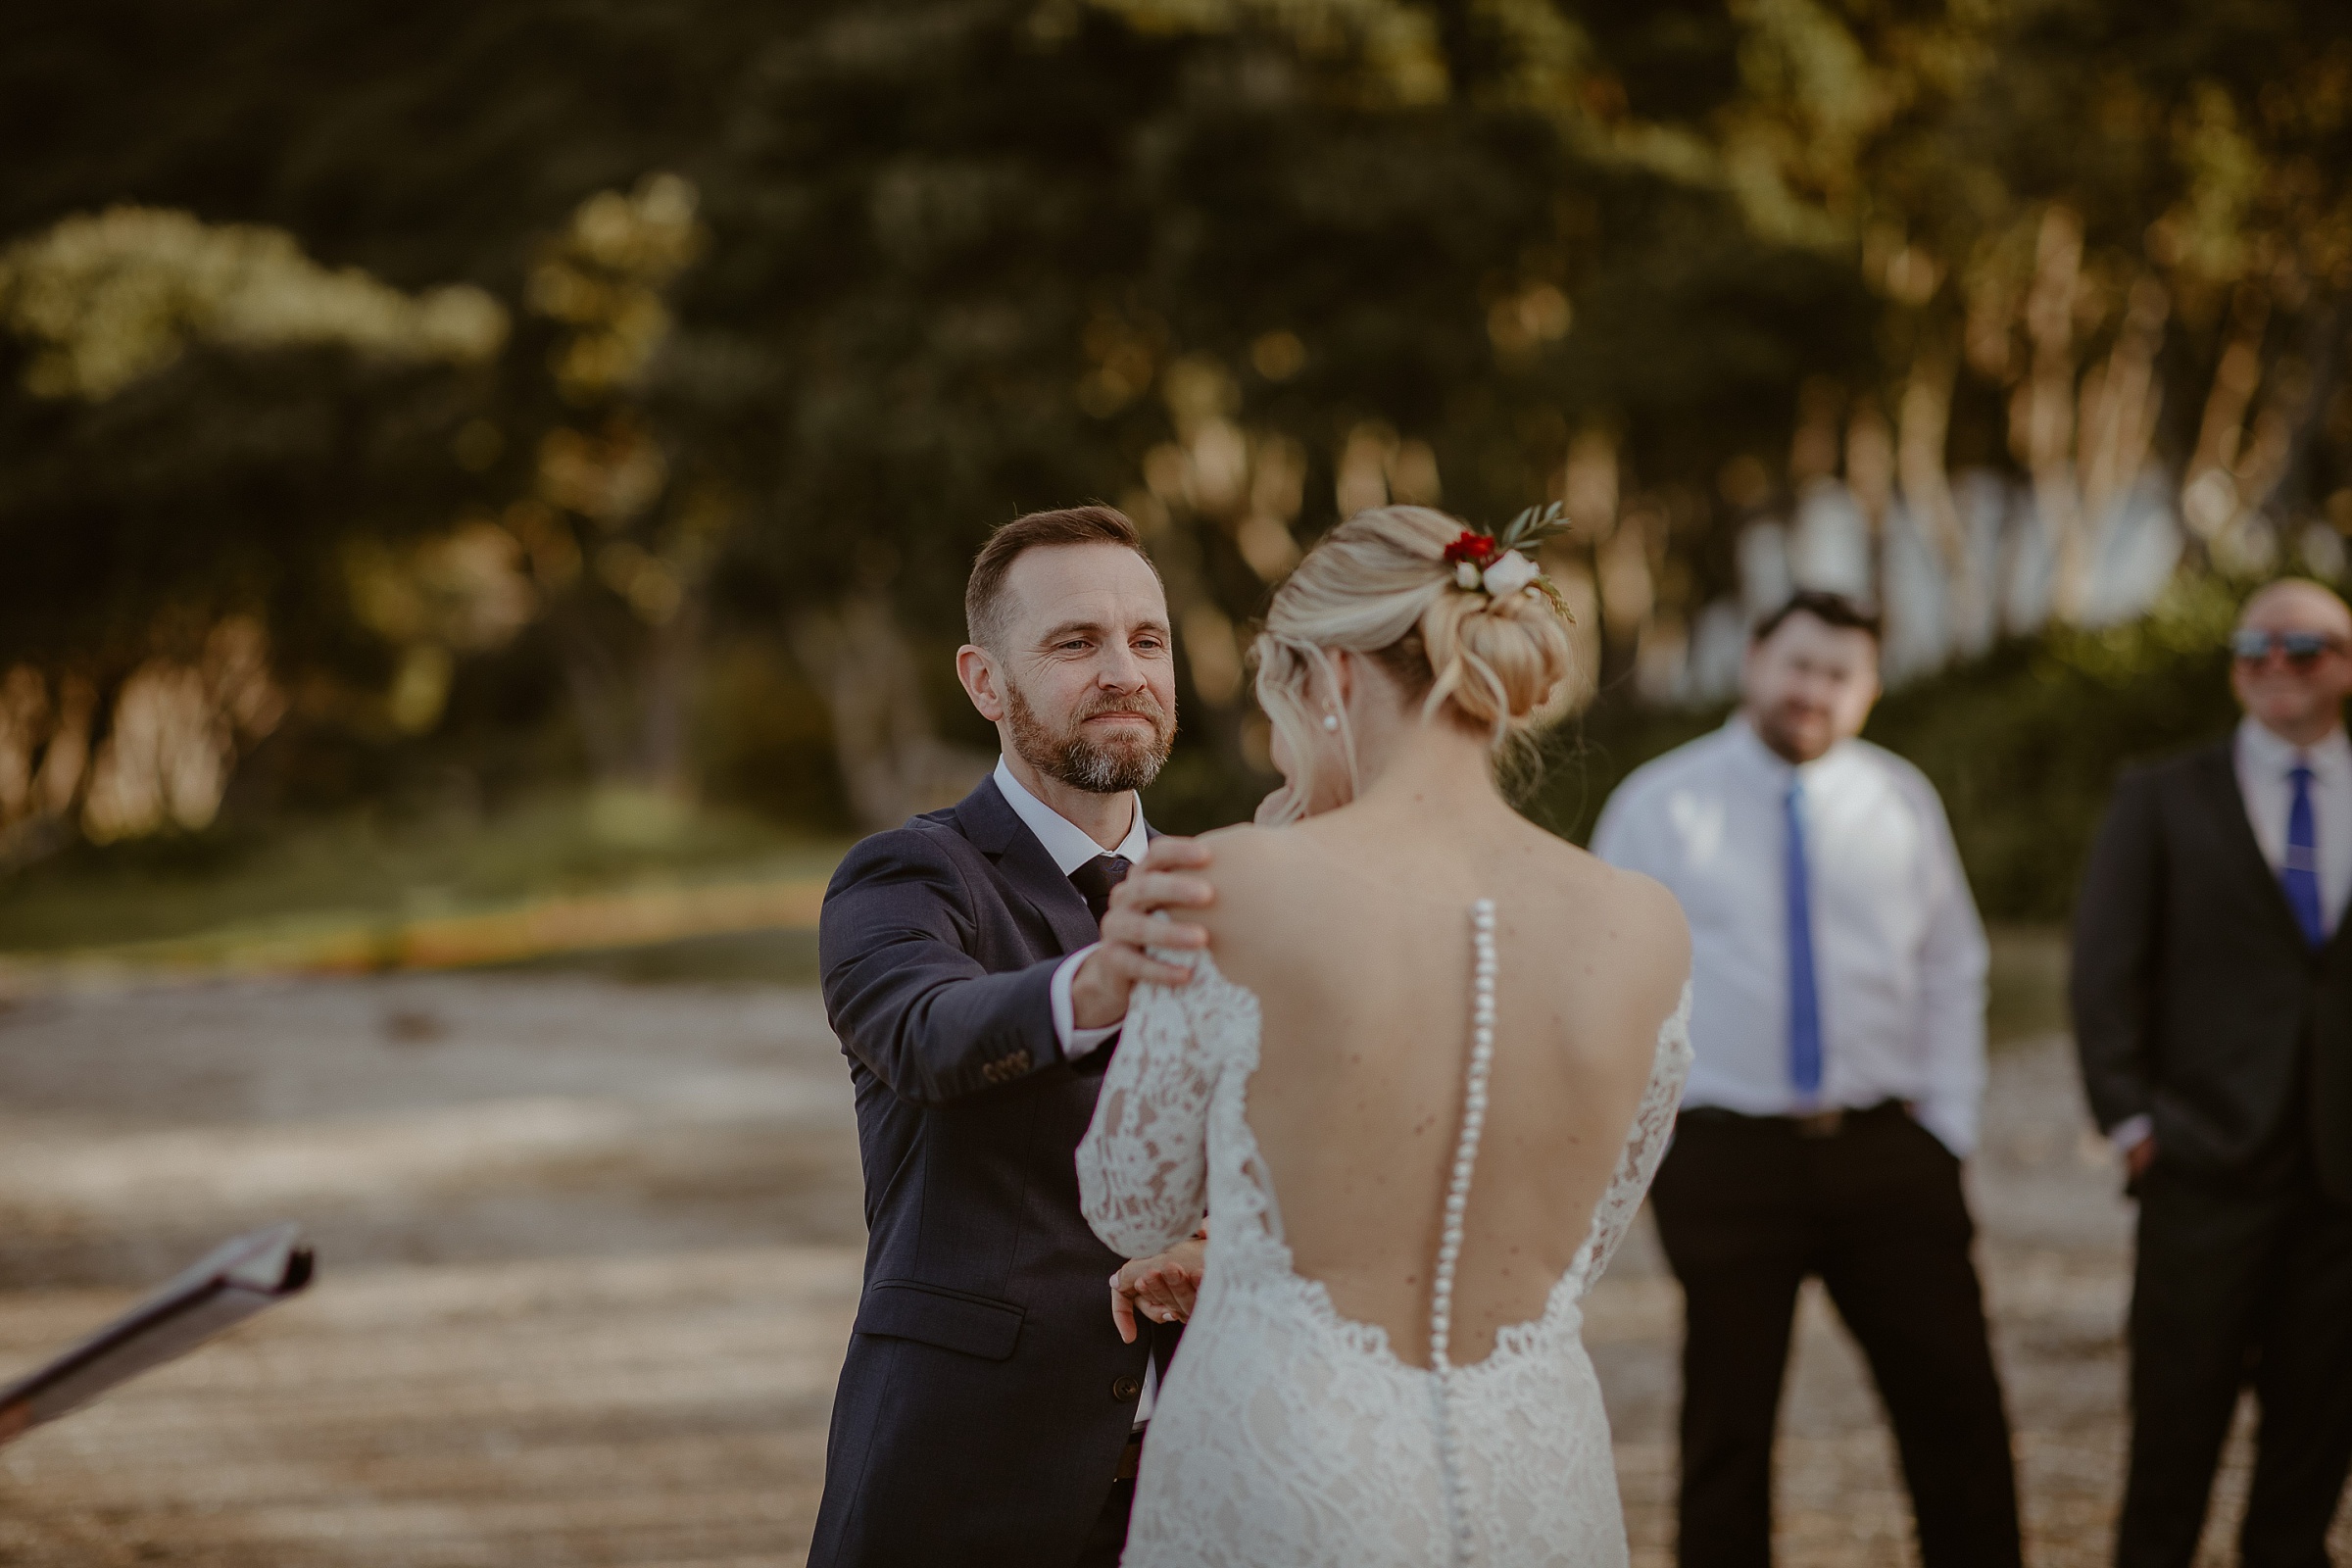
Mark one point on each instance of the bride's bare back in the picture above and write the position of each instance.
(1352, 929)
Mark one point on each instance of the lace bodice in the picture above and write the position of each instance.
(1288, 1435)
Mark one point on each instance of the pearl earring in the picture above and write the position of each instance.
(1331, 722)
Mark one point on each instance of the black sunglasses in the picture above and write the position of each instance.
(2301, 648)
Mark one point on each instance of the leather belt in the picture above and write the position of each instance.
(1131, 1458)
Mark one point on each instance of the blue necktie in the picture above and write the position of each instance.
(1804, 993)
(2301, 873)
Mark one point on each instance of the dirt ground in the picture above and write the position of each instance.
(588, 1256)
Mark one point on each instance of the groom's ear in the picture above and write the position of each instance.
(982, 681)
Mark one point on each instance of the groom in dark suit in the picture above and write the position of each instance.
(988, 1411)
(2213, 1009)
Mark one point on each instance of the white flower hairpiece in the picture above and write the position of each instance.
(1500, 564)
(1510, 572)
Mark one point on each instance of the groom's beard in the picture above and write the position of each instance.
(1101, 765)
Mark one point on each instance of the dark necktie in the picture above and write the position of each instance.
(1805, 991)
(2301, 873)
(1095, 880)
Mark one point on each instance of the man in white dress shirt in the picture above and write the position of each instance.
(2213, 1011)
(1837, 1022)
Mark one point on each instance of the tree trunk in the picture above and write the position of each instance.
(891, 763)
(632, 694)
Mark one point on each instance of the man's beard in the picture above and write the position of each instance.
(1792, 737)
(1100, 765)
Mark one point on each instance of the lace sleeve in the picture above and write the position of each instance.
(1143, 1166)
(1645, 1143)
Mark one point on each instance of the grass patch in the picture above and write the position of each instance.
(2026, 985)
(744, 957)
(371, 867)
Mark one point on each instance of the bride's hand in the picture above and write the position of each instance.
(1137, 920)
(1163, 1288)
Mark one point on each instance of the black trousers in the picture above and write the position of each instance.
(1108, 1536)
(2238, 1282)
(1749, 1206)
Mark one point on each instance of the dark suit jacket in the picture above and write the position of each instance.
(986, 1396)
(2196, 1000)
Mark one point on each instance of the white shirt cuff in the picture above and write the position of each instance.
(1073, 1040)
(2132, 1131)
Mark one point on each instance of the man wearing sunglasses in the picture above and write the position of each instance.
(2213, 1009)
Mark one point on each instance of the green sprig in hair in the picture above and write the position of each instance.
(1478, 549)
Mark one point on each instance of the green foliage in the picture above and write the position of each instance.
(761, 741)
(961, 257)
(374, 863)
(2025, 746)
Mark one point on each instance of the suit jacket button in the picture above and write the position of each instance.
(1124, 1390)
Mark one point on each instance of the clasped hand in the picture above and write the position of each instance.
(1163, 1288)
(1138, 919)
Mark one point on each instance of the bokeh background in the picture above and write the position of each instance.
(487, 487)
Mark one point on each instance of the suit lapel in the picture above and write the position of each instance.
(997, 830)
(2225, 808)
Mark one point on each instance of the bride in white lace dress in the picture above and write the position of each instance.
(1419, 1082)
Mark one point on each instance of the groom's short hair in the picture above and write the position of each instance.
(984, 590)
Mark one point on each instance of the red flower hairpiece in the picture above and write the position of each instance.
(1501, 564)
(1478, 549)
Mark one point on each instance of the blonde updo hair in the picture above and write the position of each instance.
(1379, 584)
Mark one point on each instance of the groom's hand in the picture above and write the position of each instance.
(1138, 919)
(1163, 1288)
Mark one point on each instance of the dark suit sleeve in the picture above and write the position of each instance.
(902, 989)
(2118, 932)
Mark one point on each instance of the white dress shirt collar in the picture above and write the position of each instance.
(2267, 755)
(1070, 845)
(2263, 763)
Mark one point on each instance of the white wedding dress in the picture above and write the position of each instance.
(1287, 1434)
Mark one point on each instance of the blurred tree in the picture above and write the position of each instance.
(1238, 267)
(135, 688)
(803, 302)
(621, 541)
(2112, 246)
